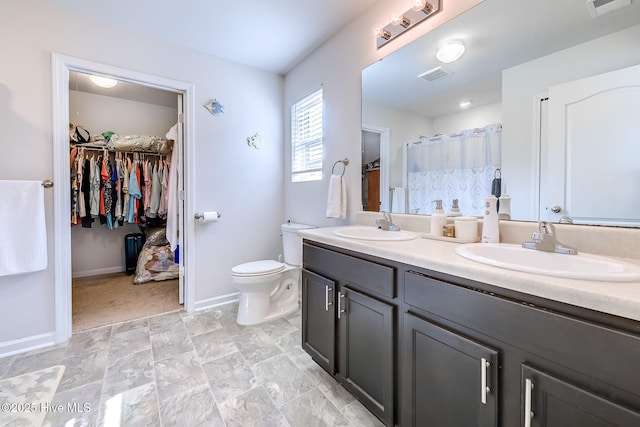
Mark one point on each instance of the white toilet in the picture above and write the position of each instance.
(269, 289)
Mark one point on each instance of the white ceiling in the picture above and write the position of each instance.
(270, 35)
(499, 34)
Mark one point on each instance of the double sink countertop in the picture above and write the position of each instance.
(617, 298)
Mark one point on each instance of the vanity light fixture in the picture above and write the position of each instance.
(450, 51)
(401, 20)
(104, 82)
(399, 23)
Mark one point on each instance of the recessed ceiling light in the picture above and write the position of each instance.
(465, 103)
(104, 82)
(450, 51)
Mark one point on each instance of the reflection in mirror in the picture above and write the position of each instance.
(516, 51)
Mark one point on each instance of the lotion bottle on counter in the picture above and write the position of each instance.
(438, 219)
(490, 223)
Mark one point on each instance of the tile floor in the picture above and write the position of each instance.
(192, 369)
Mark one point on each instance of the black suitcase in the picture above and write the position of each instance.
(132, 246)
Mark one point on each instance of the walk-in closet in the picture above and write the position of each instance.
(124, 163)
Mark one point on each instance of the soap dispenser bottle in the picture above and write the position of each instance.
(438, 219)
(455, 209)
(490, 228)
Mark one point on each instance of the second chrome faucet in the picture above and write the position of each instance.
(545, 240)
(386, 223)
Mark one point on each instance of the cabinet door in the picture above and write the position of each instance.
(551, 402)
(366, 351)
(318, 319)
(453, 381)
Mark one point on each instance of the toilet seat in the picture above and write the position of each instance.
(257, 268)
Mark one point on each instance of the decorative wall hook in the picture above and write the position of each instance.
(215, 107)
(255, 141)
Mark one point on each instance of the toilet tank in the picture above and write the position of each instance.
(292, 243)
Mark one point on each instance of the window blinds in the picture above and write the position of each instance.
(306, 138)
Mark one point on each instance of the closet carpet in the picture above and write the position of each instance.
(112, 298)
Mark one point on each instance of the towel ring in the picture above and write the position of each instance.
(344, 162)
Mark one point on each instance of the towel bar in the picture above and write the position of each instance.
(47, 183)
(344, 162)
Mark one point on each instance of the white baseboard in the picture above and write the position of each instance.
(22, 345)
(216, 301)
(97, 272)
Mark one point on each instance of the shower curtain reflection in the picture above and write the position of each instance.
(459, 166)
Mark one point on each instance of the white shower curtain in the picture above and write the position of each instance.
(460, 166)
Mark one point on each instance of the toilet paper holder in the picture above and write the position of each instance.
(200, 215)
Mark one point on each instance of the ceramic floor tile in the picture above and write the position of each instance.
(135, 407)
(178, 374)
(125, 342)
(229, 376)
(128, 372)
(256, 346)
(190, 369)
(213, 345)
(89, 341)
(252, 409)
(83, 369)
(171, 342)
(81, 406)
(312, 409)
(359, 416)
(201, 321)
(35, 361)
(165, 322)
(282, 380)
(130, 325)
(5, 364)
(194, 407)
(277, 328)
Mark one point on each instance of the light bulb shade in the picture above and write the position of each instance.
(450, 51)
(104, 82)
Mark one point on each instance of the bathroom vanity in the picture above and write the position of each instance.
(422, 337)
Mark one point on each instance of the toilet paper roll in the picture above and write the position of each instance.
(209, 216)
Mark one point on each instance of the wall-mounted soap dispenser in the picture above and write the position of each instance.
(490, 223)
(438, 219)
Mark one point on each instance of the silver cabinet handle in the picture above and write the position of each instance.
(528, 414)
(327, 303)
(340, 309)
(484, 366)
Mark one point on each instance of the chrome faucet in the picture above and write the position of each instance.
(386, 223)
(545, 240)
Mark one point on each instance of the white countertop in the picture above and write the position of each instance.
(618, 298)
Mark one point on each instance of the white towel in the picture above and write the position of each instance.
(398, 205)
(23, 233)
(337, 199)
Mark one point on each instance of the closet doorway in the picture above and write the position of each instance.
(99, 286)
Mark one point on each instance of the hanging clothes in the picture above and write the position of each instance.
(134, 194)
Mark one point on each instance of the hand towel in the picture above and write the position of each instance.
(337, 198)
(398, 205)
(23, 233)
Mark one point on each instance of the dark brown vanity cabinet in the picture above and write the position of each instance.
(547, 367)
(349, 324)
(451, 380)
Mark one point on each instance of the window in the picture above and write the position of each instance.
(306, 138)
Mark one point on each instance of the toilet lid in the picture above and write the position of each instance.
(256, 268)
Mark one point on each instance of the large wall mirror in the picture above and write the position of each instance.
(519, 56)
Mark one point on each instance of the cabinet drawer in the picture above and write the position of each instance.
(369, 275)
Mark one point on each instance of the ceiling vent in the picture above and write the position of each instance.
(600, 7)
(435, 73)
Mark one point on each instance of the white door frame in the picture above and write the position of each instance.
(61, 66)
(385, 142)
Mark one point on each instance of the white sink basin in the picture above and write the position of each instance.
(580, 266)
(364, 232)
